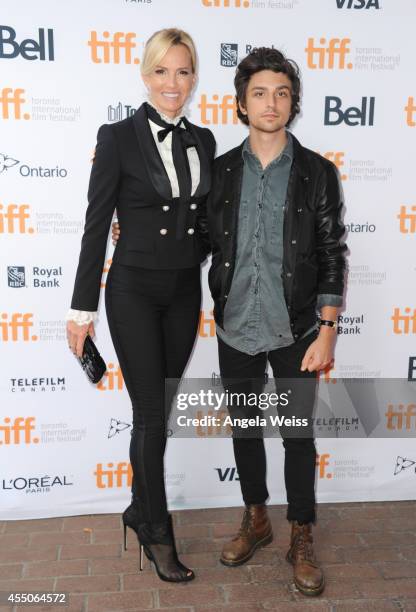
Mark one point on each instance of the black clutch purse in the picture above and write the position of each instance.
(91, 361)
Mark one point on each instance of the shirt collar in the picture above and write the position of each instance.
(174, 120)
(287, 151)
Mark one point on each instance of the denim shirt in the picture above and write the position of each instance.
(255, 316)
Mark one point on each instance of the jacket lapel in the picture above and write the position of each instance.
(205, 164)
(150, 154)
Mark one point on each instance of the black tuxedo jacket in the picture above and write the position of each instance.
(128, 174)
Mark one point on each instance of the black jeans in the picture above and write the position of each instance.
(300, 453)
(153, 318)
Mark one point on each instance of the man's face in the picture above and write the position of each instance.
(268, 101)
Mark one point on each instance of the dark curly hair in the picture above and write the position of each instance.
(266, 58)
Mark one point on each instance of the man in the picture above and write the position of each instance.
(277, 256)
(274, 224)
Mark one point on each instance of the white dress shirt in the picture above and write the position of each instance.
(84, 317)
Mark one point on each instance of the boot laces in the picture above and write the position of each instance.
(303, 547)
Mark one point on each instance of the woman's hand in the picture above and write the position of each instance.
(115, 232)
(320, 353)
(76, 335)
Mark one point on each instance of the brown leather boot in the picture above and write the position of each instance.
(307, 574)
(255, 531)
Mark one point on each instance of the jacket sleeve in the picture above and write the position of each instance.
(330, 232)
(201, 220)
(102, 200)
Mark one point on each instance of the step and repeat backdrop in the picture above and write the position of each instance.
(67, 68)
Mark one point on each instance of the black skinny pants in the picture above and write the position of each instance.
(249, 452)
(153, 319)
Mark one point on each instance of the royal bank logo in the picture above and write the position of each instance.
(229, 54)
(403, 464)
(16, 276)
(119, 112)
(117, 427)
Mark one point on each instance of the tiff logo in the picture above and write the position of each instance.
(11, 101)
(10, 433)
(328, 53)
(322, 463)
(110, 476)
(17, 328)
(206, 327)
(334, 115)
(407, 220)
(114, 49)
(119, 112)
(29, 49)
(400, 416)
(404, 323)
(410, 109)
(216, 112)
(337, 158)
(112, 380)
(226, 3)
(16, 215)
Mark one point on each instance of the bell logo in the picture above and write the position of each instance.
(106, 270)
(14, 219)
(402, 415)
(351, 116)
(112, 380)
(29, 49)
(11, 101)
(410, 109)
(17, 328)
(326, 54)
(210, 111)
(322, 463)
(18, 431)
(337, 158)
(407, 220)
(404, 323)
(206, 327)
(111, 476)
(115, 49)
(226, 3)
(358, 4)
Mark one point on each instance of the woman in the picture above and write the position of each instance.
(155, 168)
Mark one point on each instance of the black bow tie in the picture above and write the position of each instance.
(185, 136)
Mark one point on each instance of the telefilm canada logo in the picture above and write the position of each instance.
(37, 384)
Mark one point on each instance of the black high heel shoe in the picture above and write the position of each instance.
(157, 542)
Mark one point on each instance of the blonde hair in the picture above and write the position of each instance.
(159, 44)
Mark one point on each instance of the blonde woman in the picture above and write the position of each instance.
(155, 167)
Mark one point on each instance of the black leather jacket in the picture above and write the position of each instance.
(313, 246)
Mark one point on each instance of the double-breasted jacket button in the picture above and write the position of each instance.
(226, 233)
(293, 241)
(288, 274)
(193, 206)
(227, 264)
(191, 230)
(163, 231)
(165, 208)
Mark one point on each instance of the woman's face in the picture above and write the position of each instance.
(170, 82)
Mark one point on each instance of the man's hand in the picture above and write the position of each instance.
(320, 353)
(115, 232)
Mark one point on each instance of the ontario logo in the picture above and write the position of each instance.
(7, 162)
(403, 464)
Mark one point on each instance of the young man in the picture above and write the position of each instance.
(274, 222)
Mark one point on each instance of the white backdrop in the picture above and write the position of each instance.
(63, 442)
